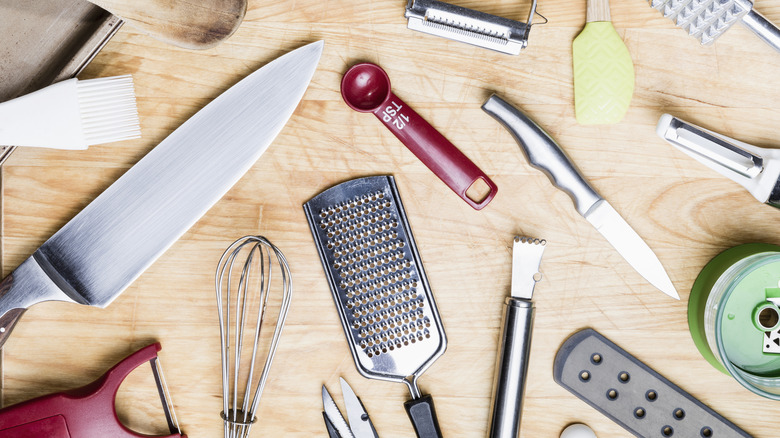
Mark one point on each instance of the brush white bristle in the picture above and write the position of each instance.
(108, 109)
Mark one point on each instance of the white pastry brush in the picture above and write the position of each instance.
(72, 114)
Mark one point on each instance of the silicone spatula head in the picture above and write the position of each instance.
(603, 70)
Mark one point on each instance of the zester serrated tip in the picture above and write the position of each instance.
(705, 20)
(526, 258)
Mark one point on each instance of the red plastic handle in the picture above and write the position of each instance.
(86, 412)
(366, 88)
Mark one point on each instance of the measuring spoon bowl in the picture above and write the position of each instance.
(365, 87)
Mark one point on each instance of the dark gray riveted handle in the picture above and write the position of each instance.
(423, 416)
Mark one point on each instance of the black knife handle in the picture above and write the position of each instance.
(423, 415)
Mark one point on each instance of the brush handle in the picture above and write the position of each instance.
(598, 10)
(763, 28)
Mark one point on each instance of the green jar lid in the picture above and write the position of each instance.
(741, 339)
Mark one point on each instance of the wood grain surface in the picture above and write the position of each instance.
(685, 212)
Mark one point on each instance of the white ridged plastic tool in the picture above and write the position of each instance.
(72, 114)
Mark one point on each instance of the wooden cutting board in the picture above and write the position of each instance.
(685, 212)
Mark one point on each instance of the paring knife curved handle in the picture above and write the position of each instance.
(423, 415)
(543, 153)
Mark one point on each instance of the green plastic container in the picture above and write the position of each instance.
(729, 313)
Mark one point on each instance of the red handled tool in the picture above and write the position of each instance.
(366, 88)
(86, 412)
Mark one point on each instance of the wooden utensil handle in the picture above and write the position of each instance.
(598, 10)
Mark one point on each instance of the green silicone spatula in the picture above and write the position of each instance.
(603, 71)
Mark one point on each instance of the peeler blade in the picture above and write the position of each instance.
(469, 26)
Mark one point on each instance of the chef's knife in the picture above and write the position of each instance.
(96, 255)
(543, 153)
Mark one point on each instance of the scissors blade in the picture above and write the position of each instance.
(359, 420)
(333, 415)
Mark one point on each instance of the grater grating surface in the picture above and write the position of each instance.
(377, 279)
(703, 19)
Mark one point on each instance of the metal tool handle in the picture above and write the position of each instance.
(511, 369)
(763, 28)
(434, 150)
(543, 153)
(423, 415)
(28, 284)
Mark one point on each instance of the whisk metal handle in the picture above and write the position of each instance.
(423, 415)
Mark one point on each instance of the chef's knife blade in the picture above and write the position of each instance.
(96, 255)
(545, 154)
(359, 421)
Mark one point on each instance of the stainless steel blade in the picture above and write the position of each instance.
(359, 421)
(96, 255)
(526, 259)
(334, 415)
(627, 242)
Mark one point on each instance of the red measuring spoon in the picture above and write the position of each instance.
(366, 88)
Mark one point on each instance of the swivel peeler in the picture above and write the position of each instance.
(87, 412)
(756, 169)
(469, 26)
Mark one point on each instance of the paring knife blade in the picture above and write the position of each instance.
(544, 153)
(96, 255)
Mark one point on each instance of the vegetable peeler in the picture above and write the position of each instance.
(469, 26)
(756, 169)
(89, 411)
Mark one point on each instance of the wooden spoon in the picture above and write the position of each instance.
(197, 24)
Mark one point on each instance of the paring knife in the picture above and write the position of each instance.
(96, 255)
(544, 154)
(359, 426)
(756, 169)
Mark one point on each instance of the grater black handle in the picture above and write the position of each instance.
(423, 415)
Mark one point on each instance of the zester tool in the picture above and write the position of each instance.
(709, 19)
(632, 394)
(515, 347)
(469, 26)
(756, 169)
(379, 286)
(89, 411)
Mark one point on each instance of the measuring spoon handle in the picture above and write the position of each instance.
(435, 151)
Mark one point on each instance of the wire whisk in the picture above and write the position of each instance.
(237, 305)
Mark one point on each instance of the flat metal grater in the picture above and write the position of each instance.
(709, 19)
(379, 286)
(469, 26)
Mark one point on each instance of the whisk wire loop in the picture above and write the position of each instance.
(238, 302)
